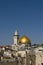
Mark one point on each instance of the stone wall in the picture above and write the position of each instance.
(8, 63)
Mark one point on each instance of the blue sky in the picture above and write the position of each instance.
(26, 16)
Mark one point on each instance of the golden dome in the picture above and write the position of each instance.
(24, 39)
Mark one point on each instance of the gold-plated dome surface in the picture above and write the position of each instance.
(24, 39)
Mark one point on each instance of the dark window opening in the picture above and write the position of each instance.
(41, 63)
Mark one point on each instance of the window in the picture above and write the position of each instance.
(41, 63)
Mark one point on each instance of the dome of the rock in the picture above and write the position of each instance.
(24, 40)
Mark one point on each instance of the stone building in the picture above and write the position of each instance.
(22, 52)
